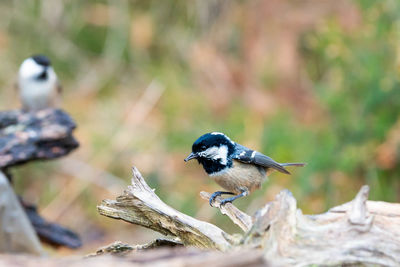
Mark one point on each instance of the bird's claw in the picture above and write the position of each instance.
(212, 198)
(217, 194)
(224, 201)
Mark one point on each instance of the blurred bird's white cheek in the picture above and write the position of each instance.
(29, 69)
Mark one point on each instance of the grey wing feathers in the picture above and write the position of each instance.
(247, 155)
(267, 162)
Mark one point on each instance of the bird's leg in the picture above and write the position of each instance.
(217, 194)
(243, 194)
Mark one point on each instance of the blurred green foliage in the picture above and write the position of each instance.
(317, 85)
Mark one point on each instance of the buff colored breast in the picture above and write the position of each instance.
(241, 177)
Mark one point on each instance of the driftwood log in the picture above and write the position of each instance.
(359, 232)
(29, 136)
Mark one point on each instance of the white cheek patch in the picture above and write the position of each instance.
(29, 68)
(52, 77)
(216, 153)
(222, 154)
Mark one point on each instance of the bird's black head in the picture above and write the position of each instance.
(42, 60)
(213, 151)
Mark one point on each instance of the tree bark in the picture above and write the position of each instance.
(28, 136)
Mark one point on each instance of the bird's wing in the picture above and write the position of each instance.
(246, 155)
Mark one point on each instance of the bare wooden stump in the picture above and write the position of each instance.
(358, 232)
(41, 135)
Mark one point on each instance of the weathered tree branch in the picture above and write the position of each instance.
(118, 248)
(188, 257)
(140, 205)
(341, 236)
(27, 136)
(240, 218)
(51, 233)
(358, 232)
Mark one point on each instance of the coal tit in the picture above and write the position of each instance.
(38, 84)
(236, 168)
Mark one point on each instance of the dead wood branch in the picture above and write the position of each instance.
(51, 233)
(240, 218)
(350, 236)
(188, 257)
(358, 232)
(27, 136)
(140, 205)
(118, 248)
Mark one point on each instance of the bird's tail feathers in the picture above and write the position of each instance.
(293, 164)
(283, 165)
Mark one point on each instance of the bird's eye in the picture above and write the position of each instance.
(203, 147)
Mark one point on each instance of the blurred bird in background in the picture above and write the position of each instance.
(38, 85)
(236, 168)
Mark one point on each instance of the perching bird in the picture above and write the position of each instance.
(236, 168)
(38, 84)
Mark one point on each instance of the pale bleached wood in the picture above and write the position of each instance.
(240, 218)
(119, 249)
(188, 257)
(140, 205)
(352, 236)
(358, 232)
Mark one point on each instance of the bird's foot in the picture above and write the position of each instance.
(231, 199)
(226, 200)
(217, 194)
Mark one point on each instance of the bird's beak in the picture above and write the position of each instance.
(191, 156)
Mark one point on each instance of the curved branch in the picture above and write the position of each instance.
(140, 205)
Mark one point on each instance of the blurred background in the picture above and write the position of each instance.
(303, 81)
